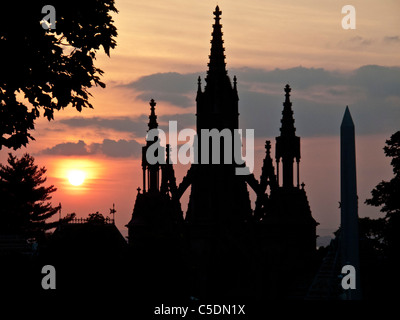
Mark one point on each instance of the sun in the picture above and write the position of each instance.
(76, 177)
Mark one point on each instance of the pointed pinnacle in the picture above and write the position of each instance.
(217, 12)
(347, 119)
(152, 118)
(268, 147)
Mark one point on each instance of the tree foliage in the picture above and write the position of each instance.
(25, 202)
(46, 70)
(96, 218)
(387, 193)
(387, 196)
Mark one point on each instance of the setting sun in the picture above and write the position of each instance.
(76, 177)
(77, 174)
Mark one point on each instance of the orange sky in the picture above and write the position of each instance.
(173, 36)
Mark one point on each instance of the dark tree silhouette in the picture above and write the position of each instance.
(387, 196)
(96, 218)
(387, 193)
(25, 205)
(47, 70)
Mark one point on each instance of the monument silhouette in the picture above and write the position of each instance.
(349, 242)
(225, 249)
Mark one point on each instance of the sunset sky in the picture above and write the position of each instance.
(163, 46)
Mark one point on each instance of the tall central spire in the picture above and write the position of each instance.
(217, 64)
(217, 105)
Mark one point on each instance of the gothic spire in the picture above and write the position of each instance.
(217, 64)
(152, 118)
(287, 144)
(287, 128)
(168, 180)
(267, 174)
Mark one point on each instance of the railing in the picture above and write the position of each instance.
(106, 220)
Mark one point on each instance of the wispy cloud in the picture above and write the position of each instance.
(175, 88)
(137, 126)
(319, 97)
(79, 148)
(356, 42)
(392, 39)
(120, 124)
(110, 148)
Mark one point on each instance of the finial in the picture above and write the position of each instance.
(303, 185)
(268, 146)
(234, 82)
(152, 118)
(138, 190)
(287, 121)
(217, 65)
(287, 91)
(199, 84)
(217, 12)
(152, 103)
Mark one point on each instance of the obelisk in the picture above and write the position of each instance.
(349, 202)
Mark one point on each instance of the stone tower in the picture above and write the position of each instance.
(286, 228)
(218, 196)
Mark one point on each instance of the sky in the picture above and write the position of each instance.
(162, 48)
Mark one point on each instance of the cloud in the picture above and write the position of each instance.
(138, 126)
(110, 148)
(184, 120)
(120, 148)
(120, 124)
(378, 81)
(392, 39)
(299, 77)
(179, 100)
(358, 40)
(68, 148)
(175, 88)
(355, 42)
(319, 97)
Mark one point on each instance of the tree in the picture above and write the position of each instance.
(25, 205)
(387, 196)
(387, 193)
(47, 70)
(96, 218)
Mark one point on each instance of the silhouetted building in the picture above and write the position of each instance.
(156, 214)
(155, 230)
(286, 227)
(88, 255)
(229, 249)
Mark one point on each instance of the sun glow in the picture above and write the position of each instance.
(78, 174)
(76, 177)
